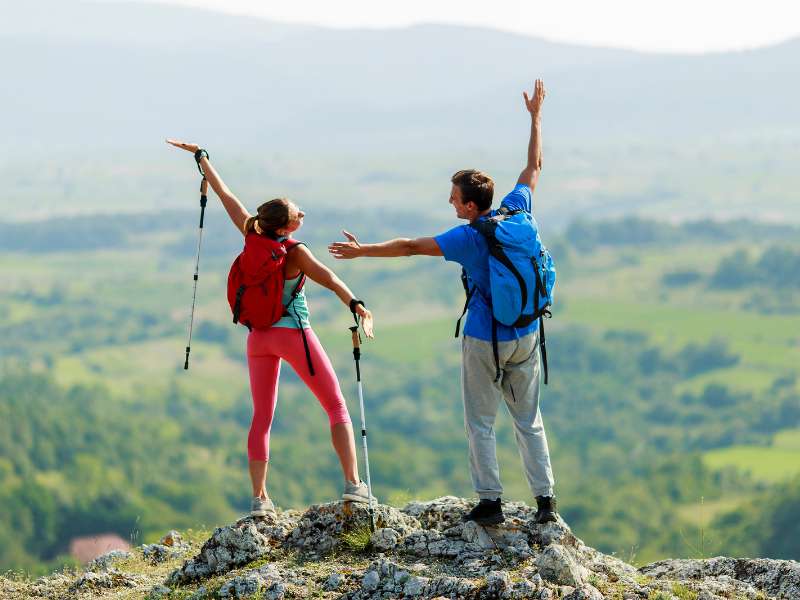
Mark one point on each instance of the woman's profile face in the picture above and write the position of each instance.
(295, 220)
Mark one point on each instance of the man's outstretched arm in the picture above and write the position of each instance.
(530, 174)
(397, 247)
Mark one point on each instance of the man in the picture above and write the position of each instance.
(518, 356)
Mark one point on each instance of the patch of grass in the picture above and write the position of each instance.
(683, 592)
(611, 590)
(788, 439)
(764, 463)
(659, 595)
(357, 540)
(767, 341)
(196, 537)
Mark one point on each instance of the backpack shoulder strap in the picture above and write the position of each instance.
(291, 244)
(468, 293)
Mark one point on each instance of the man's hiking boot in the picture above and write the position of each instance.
(546, 512)
(357, 492)
(261, 507)
(486, 512)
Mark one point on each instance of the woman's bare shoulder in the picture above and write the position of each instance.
(297, 259)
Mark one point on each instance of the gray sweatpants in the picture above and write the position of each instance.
(519, 387)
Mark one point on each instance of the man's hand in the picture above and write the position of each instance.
(530, 174)
(534, 103)
(349, 249)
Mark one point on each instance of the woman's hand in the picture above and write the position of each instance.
(349, 249)
(367, 324)
(183, 145)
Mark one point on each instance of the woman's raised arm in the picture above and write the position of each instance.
(235, 209)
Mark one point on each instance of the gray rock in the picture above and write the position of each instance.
(415, 586)
(265, 581)
(585, 592)
(159, 591)
(557, 564)
(473, 533)
(554, 533)
(385, 539)
(777, 578)
(233, 546)
(522, 589)
(321, 527)
(334, 582)
(371, 581)
(442, 513)
(103, 562)
(110, 578)
(497, 582)
(431, 553)
(172, 539)
(200, 594)
(158, 553)
(433, 543)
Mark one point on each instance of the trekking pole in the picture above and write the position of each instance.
(203, 202)
(357, 357)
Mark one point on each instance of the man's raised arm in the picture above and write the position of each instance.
(530, 174)
(397, 247)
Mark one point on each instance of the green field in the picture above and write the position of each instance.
(769, 464)
(647, 447)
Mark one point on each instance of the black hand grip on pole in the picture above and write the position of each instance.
(203, 202)
(356, 351)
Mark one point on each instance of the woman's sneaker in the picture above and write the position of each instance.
(261, 507)
(356, 492)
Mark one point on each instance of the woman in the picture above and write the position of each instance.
(283, 341)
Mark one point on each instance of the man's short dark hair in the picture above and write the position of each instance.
(475, 186)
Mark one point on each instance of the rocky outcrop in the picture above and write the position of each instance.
(775, 578)
(423, 551)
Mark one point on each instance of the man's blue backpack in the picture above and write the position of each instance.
(521, 275)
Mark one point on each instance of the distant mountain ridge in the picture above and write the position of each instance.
(93, 74)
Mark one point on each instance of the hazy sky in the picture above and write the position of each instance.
(674, 25)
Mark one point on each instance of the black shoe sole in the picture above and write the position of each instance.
(493, 520)
(546, 518)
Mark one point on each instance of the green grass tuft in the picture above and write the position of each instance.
(683, 592)
(357, 540)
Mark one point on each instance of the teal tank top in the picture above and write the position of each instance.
(299, 308)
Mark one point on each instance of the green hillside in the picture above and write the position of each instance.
(670, 405)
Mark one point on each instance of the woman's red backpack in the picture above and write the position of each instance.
(256, 280)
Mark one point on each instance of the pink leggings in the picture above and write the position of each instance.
(265, 349)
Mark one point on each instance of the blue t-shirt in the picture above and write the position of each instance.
(467, 247)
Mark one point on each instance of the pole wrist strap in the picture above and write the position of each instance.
(198, 156)
(355, 302)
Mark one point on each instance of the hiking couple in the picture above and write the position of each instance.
(499, 362)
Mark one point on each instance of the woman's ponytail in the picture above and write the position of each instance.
(249, 224)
